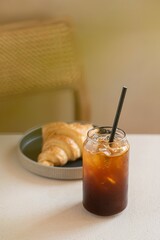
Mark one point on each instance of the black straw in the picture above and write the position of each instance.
(119, 108)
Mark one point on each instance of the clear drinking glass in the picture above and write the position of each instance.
(105, 171)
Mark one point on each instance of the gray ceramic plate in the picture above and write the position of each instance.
(30, 146)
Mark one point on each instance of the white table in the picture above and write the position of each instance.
(37, 208)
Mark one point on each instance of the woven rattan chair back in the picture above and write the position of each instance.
(39, 56)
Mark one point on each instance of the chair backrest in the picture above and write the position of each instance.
(38, 56)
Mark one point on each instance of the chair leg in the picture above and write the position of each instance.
(82, 106)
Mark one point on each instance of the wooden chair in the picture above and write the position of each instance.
(37, 57)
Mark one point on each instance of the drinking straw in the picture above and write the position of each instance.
(118, 112)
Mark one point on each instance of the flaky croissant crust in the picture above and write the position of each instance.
(62, 142)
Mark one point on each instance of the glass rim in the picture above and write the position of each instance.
(105, 127)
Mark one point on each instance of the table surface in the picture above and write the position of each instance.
(37, 208)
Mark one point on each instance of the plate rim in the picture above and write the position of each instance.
(62, 170)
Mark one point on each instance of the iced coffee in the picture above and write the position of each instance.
(105, 171)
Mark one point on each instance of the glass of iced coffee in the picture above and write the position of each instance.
(105, 171)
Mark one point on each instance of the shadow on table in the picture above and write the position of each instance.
(67, 223)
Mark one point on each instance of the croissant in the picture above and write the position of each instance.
(75, 131)
(62, 142)
(55, 156)
(67, 144)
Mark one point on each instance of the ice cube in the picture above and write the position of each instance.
(95, 136)
(107, 152)
(111, 180)
(92, 147)
(115, 148)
